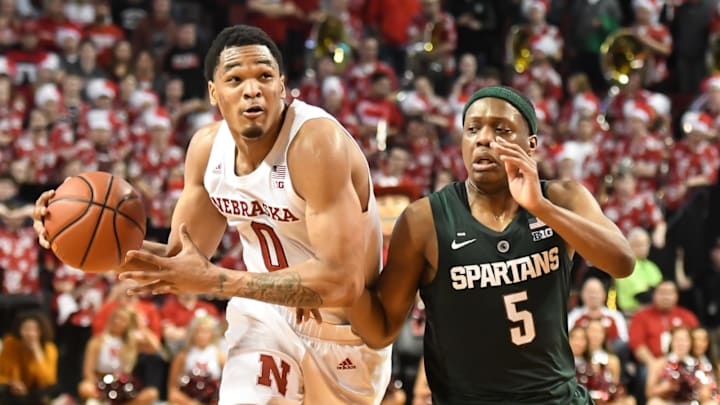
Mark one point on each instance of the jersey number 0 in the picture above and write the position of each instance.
(272, 251)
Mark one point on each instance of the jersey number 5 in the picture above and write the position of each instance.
(272, 251)
(519, 335)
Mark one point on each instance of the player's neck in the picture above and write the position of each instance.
(499, 203)
(249, 153)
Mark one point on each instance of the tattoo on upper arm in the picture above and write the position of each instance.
(281, 288)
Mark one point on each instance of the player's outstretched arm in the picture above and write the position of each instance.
(380, 312)
(576, 216)
(569, 209)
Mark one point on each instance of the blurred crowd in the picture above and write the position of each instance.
(627, 93)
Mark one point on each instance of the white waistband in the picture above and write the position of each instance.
(325, 331)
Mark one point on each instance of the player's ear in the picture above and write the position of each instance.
(211, 93)
(283, 91)
(532, 144)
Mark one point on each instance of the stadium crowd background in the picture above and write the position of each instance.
(118, 86)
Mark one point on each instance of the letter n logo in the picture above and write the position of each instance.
(269, 366)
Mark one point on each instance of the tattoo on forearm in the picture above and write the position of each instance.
(281, 288)
(221, 281)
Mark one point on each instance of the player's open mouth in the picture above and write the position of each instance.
(253, 112)
(483, 164)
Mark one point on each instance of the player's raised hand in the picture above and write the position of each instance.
(38, 215)
(522, 172)
(188, 271)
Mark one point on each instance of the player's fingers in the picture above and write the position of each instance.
(520, 163)
(139, 289)
(146, 258)
(42, 234)
(41, 204)
(141, 276)
(316, 314)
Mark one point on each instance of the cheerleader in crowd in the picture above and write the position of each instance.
(604, 386)
(677, 379)
(195, 372)
(578, 345)
(109, 361)
(705, 352)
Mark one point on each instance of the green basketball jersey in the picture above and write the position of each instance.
(497, 310)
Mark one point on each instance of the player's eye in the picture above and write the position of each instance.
(266, 76)
(233, 79)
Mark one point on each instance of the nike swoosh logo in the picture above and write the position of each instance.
(455, 246)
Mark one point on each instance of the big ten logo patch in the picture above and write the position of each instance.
(541, 234)
(271, 371)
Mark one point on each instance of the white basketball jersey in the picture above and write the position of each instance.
(206, 361)
(108, 361)
(263, 205)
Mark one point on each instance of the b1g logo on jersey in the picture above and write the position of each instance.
(278, 176)
(542, 234)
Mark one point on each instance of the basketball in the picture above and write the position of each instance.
(93, 220)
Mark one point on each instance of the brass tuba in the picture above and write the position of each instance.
(620, 54)
(332, 40)
(520, 47)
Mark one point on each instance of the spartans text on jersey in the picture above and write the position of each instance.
(505, 272)
(253, 208)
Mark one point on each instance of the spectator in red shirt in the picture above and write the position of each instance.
(650, 329)
(593, 297)
(176, 314)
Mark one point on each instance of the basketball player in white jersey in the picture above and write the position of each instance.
(297, 188)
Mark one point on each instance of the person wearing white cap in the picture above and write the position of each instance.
(640, 146)
(655, 37)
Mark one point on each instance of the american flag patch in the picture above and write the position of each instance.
(278, 172)
(535, 223)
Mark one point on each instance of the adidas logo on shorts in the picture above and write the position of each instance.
(346, 365)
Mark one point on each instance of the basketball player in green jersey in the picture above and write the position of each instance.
(491, 257)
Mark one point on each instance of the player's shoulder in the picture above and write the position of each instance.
(564, 193)
(205, 135)
(418, 215)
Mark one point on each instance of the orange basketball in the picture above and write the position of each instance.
(93, 220)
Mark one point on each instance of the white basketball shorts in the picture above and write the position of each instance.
(274, 360)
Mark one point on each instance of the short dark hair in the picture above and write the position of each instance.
(43, 321)
(238, 35)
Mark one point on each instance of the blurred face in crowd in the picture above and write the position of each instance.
(174, 90)
(536, 14)
(7, 7)
(127, 87)
(369, 50)
(468, 65)
(145, 64)
(100, 136)
(72, 168)
(8, 189)
(333, 100)
(38, 126)
(625, 185)
(593, 293)
(595, 334)
(123, 52)
(161, 8)
(534, 91)
(29, 40)
(715, 256)
(381, 88)
(637, 126)
(397, 161)
(71, 86)
(639, 241)
(55, 8)
(88, 53)
(120, 321)
(20, 170)
(102, 10)
(585, 130)
(187, 35)
(714, 98)
(326, 67)
(681, 343)
(578, 341)
(430, 8)
(665, 296)
(203, 334)
(642, 15)
(30, 331)
(566, 168)
(700, 341)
